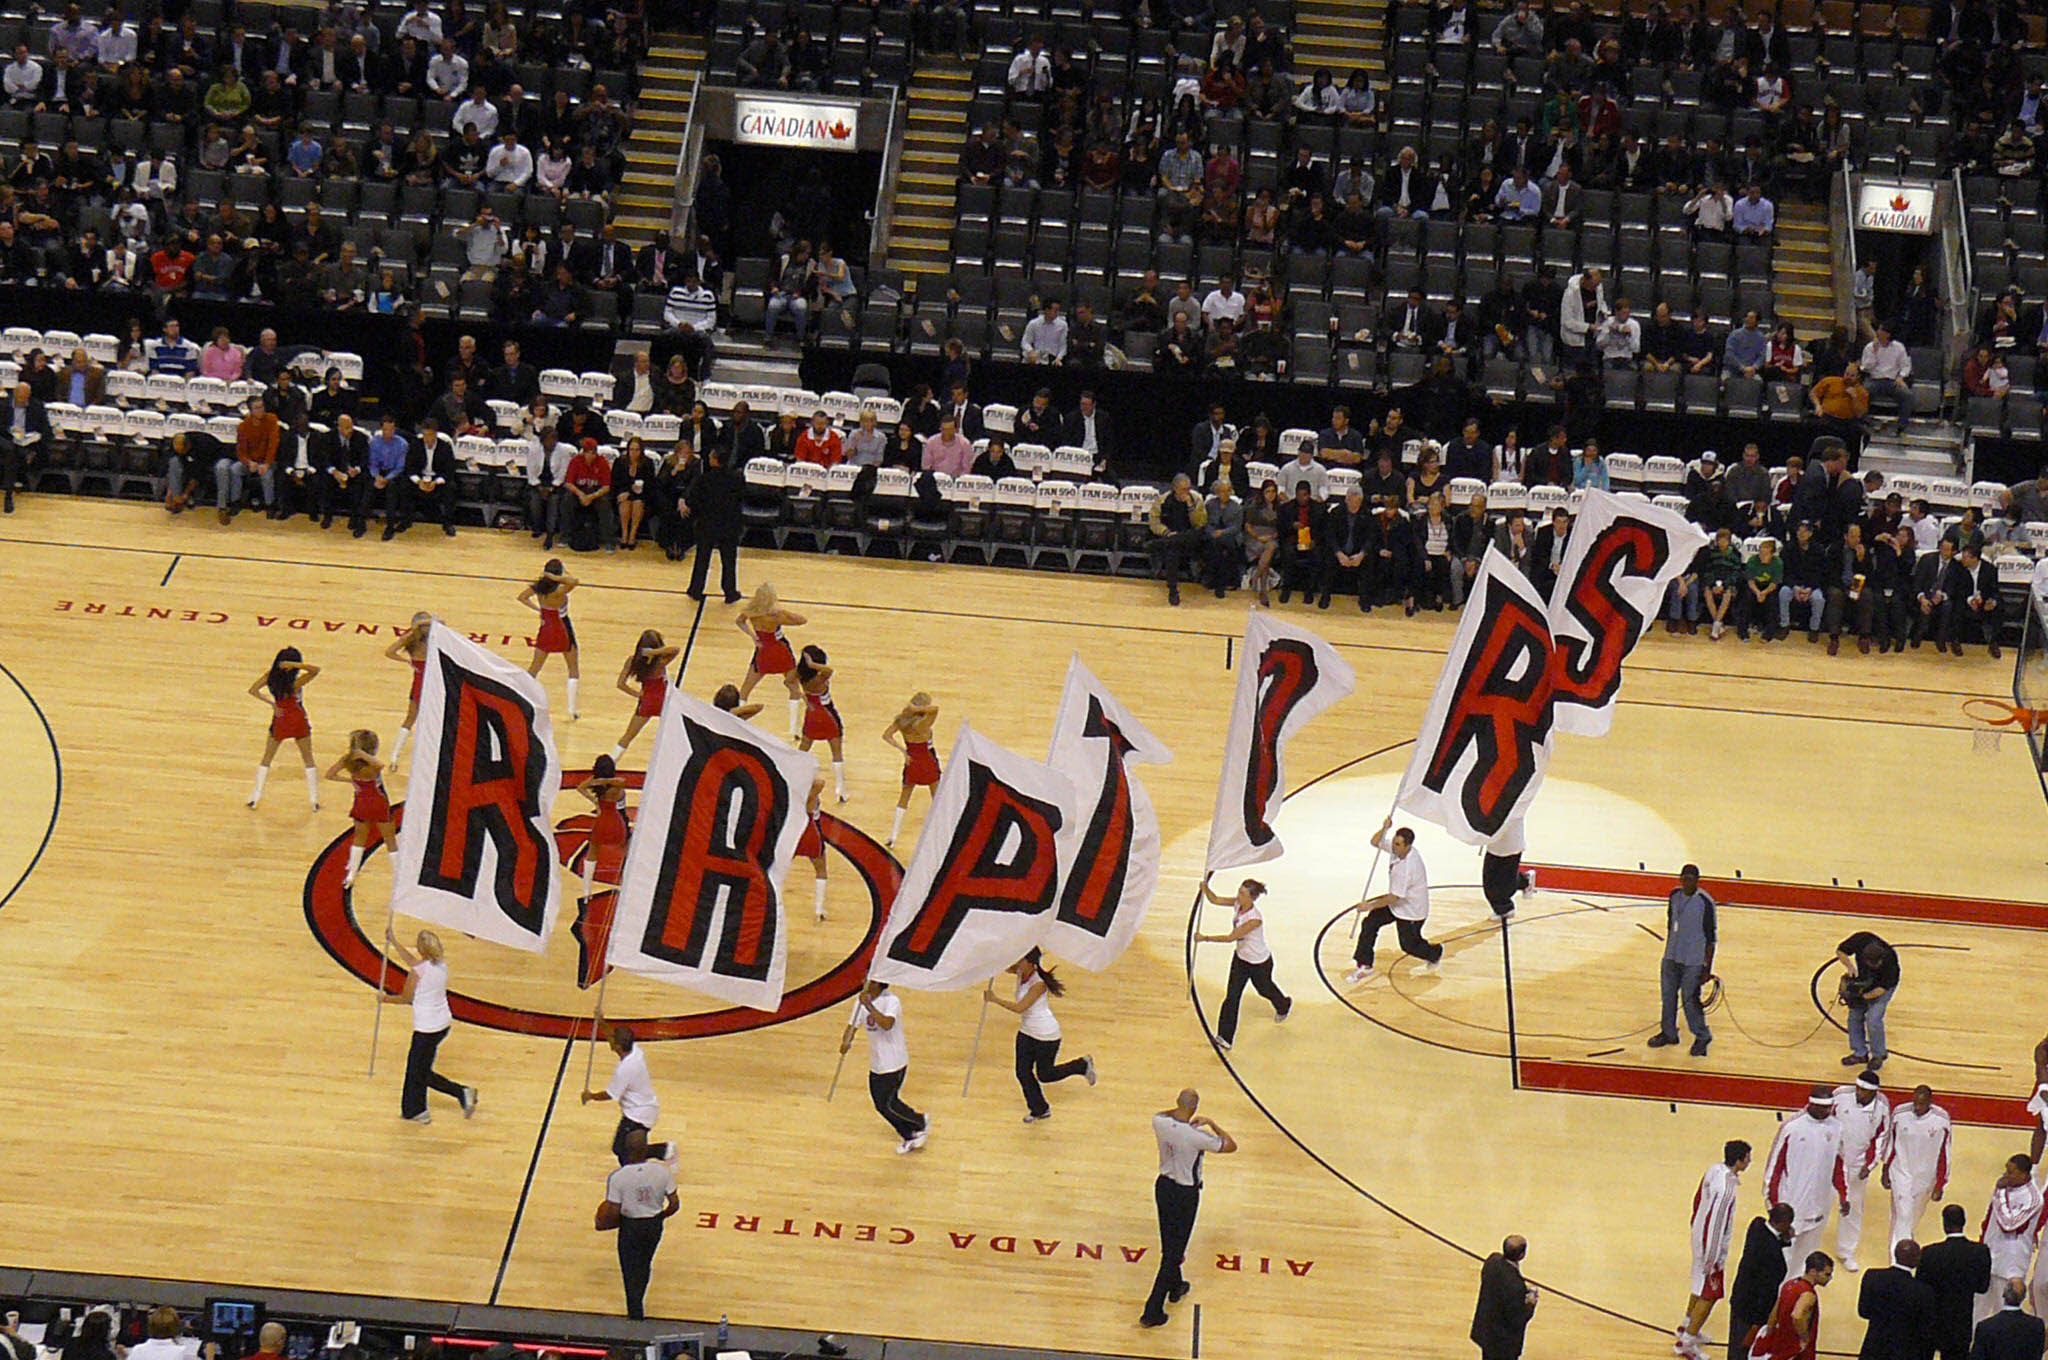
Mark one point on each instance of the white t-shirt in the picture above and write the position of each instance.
(430, 1014)
(888, 1049)
(1038, 1021)
(1252, 946)
(1408, 881)
(1181, 1146)
(640, 1189)
(634, 1089)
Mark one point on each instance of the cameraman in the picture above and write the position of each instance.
(1872, 976)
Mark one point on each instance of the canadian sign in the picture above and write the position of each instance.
(1895, 207)
(787, 122)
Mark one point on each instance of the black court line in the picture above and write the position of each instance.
(56, 803)
(540, 1137)
(171, 568)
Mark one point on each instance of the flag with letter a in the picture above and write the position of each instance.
(985, 877)
(1287, 675)
(701, 900)
(477, 852)
(1109, 848)
(1622, 556)
(1486, 740)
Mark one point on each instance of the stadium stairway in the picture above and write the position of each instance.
(1803, 270)
(921, 234)
(1343, 35)
(646, 194)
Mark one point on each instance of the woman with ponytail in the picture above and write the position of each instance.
(1038, 1033)
(280, 688)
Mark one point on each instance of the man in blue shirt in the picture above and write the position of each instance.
(1520, 199)
(1746, 350)
(389, 452)
(1689, 940)
(172, 353)
(305, 154)
(1754, 216)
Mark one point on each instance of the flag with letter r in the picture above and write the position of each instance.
(701, 900)
(477, 851)
(985, 878)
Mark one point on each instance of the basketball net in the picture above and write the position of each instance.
(1993, 718)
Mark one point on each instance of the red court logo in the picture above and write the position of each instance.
(332, 919)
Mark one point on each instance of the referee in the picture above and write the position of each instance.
(1183, 1137)
(630, 1086)
(638, 1198)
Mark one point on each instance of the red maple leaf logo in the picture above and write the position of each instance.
(840, 131)
(1899, 203)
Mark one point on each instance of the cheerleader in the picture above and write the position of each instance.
(281, 687)
(727, 700)
(607, 853)
(645, 677)
(821, 719)
(1038, 1036)
(911, 733)
(371, 810)
(549, 596)
(812, 844)
(411, 648)
(763, 619)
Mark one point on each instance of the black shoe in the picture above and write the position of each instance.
(1173, 594)
(733, 597)
(1219, 591)
(1854, 1061)
(1150, 1320)
(9, 504)
(1178, 1292)
(1323, 603)
(1699, 1047)
(326, 521)
(390, 533)
(1877, 1060)
(448, 529)
(358, 530)
(1284, 593)
(1663, 1040)
(696, 595)
(548, 543)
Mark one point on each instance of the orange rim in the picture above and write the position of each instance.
(1997, 713)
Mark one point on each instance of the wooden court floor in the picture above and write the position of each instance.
(187, 1060)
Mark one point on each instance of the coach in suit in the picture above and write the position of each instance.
(1958, 1270)
(24, 430)
(1506, 1303)
(2009, 1334)
(714, 513)
(1899, 1309)
(344, 452)
(1757, 1277)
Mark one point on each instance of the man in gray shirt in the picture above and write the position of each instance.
(1223, 539)
(1688, 960)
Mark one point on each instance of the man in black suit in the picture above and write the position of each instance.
(1899, 1309)
(1088, 428)
(1207, 434)
(713, 511)
(1757, 1277)
(966, 415)
(1934, 605)
(1975, 602)
(1548, 553)
(2009, 1334)
(1506, 1303)
(1958, 1270)
(24, 434)
(741, 439)
(344, 453)
(430, 479)
(1348, 539)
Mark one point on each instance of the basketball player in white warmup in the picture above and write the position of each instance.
(2012, 1227)
(1713, 1225)
(1804, 1170)
(1865, 1119)
(1917, 1168)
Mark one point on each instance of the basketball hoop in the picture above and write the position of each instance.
(1994, 718)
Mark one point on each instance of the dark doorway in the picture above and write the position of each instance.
(820, 195)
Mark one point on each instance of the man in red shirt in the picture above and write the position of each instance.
(588, 516)
(820, 443)
(171, 268)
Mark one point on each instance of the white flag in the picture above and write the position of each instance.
(1109, 848)
(477, 851)
(701, 901)
(985, 877)
(1286, 676)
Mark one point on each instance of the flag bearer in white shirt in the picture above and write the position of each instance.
(638, 1198)
(1404, 905)
(1038, 1036)
(1865, 1118)
(1916, 1168)
(1804, 1170)
(630, 1086)
(1713, 1226)
(426, 991)
(878, 1013)
(1250, 960)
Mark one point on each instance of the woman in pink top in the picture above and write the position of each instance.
(222, 358)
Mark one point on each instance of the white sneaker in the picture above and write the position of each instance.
(1503, 917)
(1359, 974)
(1222, 1042)
(1034, 1118)
(903, 1147)
(1436, 967)
(1851, 1264)
(921, 1137)
(469, 1102)
(421, 1118)
(1089, 1070)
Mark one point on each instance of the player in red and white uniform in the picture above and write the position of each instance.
(370, 809)
(1793, 1331)
(645, 678)
(763, 618)
(2012, 1229)
(920, 763)
(821, 716)
(1804, 1170)
(549, 597)
(1713, 1225)
(283, 688)
(811, 845)
(1916, 1168)
(410, 648)
(1865, 1118)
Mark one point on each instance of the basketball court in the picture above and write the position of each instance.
(185, 1024)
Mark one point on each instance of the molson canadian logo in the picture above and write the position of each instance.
(779, 122)
(1895, 207)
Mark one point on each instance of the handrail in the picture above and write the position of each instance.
(884, 216)
(687, 158)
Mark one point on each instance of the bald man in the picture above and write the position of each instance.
(1184, 1137)
(270, 1340)
(24, 429)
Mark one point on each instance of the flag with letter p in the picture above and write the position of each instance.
(701, 900)
(477, 851)
(1109, 848)
(1286, 676)
(985, 877)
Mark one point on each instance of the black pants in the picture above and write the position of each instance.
(638, 1237)
(1176, 553)
(727, 546)
(420, 1075)
(14, 460)
(625, 1127)
(1408, 932)
(1739, 1328)
(1299, 570)
(1260, 976)
(886, 1089)
(1177, 1205)
(437, 505)
(1038, 1061)
(297, 495)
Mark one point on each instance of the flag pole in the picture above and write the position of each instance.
(596, 1018)
(1378, 852)
(975, 1051)
(383, 974)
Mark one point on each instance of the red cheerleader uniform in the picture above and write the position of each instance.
(370, 804)
(653, 690)
(821, 719)
(288, 719)
(772, 653)
(419, 677)
(920, 765)
(811, 845)
(608, 838)
(557, 634)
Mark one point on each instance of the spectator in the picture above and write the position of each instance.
(948, 452)
(1178, 522)
(1785, 361)
(1713, 213)
(1888, 372)
(1754, 217)
(172, 353)
(1045, 336)
(1520, 33)
(1223, 538)
(1619, 337)
(1583, 307)
(1807, 573)
(1087, 341)
(820, 443)
(1747, 349)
